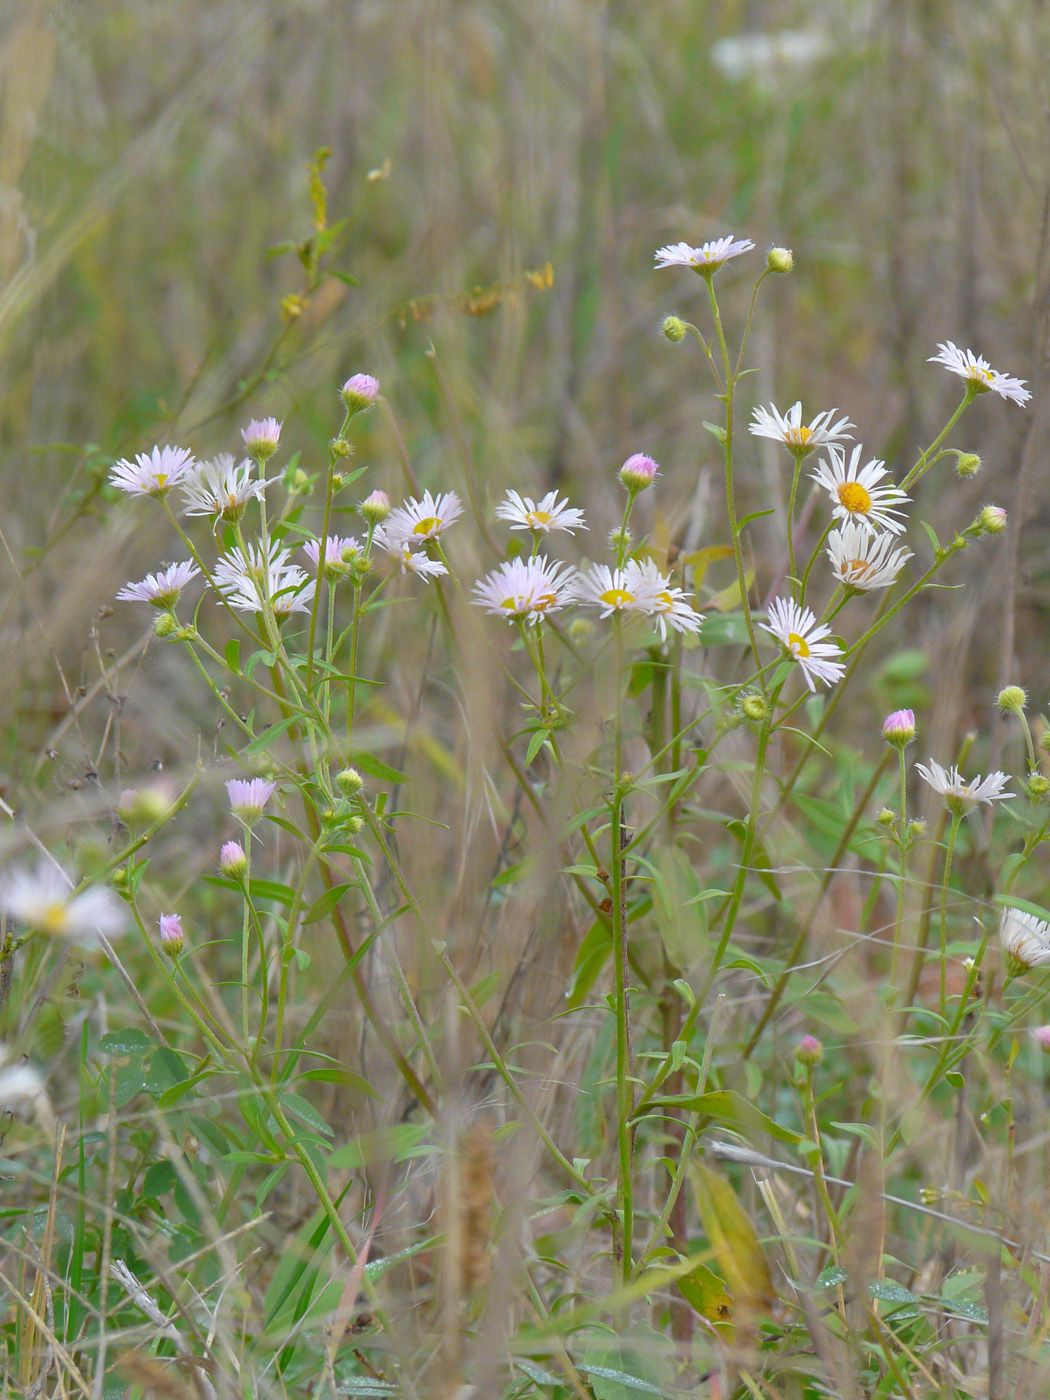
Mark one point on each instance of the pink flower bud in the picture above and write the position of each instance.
(171, 934)
(638, 472)
(898, 729)
(359, 391)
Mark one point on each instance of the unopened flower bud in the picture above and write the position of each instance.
(620, 539)
(916, 827)
(1038, 786)
(376, 507)
(144, 806)
(898, 729)
(341, 447)
(673, 328)
(886, 817)
(261, 437)
(1012, 700)
(809, 1051)
(300, 483)
(165, 624)
(967, 464)
(780, 260)
(992, 520)
(119, 877)
(171, 939)
(581, 629)
(349, 782)
(354, 824)
(232, 860)
(638, 472)
(359, 391)
(1044, 741)
(338, 481)
(754, 708)
(1041, 1036)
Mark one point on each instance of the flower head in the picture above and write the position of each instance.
(232, 860)
(638, 472)
(1025, 939)
(525, 589)
(799, 438)
(856, 492)
(611, 590)
(706, 259)
(248, 797)
(221, 488)
(152, 474)
(809, 1051)
(412, 561)
(171, 939)
(961, 797)
(523, 513)
(898, 729)
(246, 578)
(339, 555)
(359, 391)
(992, 520)
(979, 374)
(797, 629)
(862, 560)
(44, 900)
(420, 520)
(261, 437)
(666, 605)
(163, 589)
(375, 507)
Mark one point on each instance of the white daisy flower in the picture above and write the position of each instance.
(246, 579)
(800, 439)
(414, 561)
(417, 521)
(163, 589)
(221, 488)
(856, 492)
(525, 589)
(976, 370)
(862, 560)
(961, 797)
(705, 259)
(44, 901)
(797, 629)
(1025, 940)
(612, 590)
(154, 474)
(523, 513)
(665, 605)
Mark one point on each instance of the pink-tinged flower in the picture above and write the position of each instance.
(340, 553)
(799, 438)
(664, 604)
(797, 629)
(420, 520)
(232, 860)
(856, 492)
(898, 729)
(525, 590)
(864, 561)
(152, 474)
(638, 472)
(44, 901)
(993, 520)
(523, 513)
(961, 797)
(248, 797)
(248, 579)
(1025, 939)
(978, 373)
(161, 590)
(1041, 1036)
(171, 939)
(359, 391)
(375, 507)
(221, 488)
(809, 1051)
(706, 259)
(261, 437)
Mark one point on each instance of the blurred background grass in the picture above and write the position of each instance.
(153, 155)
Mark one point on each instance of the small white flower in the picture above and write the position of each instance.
(414, 561)
(862, 560)
(525, 589)
(44, 901)
(152, 474)
(612, 590)
(798, 630)
(22, 1086)
(707, 258)
(221, 488)
(976, 370)
(664, 604)
(1025, 940)
(421, 520)
(248, 797)
(246, 579)
(163, 589)
(856, 492)
(523, 513)
(339, 554)
(961, 797)
(800, 439)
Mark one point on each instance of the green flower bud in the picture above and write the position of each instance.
(349, 782)
(673, 328)
(967, 464)
(1038, 786)
(1012, 700)
(754, 708)
(992, 520)
(780, 260)
(340, 447)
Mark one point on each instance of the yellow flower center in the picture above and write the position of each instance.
(798, 644)
(855, 498)
(798, 436)
(854, 570)
(52, 919)
(428, 526)
(616, 598)
(543, 602)
(539, 518)
(664, 602)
